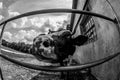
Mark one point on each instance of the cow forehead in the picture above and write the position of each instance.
(59, 33)
(50, 36)
(43, 38)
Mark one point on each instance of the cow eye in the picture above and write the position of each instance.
(46, 44)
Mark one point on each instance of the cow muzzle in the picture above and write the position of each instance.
(45, 47)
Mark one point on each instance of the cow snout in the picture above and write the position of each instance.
(41, 50)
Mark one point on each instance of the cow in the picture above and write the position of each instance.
(56, 46)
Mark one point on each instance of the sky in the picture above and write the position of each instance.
(27, 28)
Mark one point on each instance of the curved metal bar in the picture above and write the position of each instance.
(59, 68)
(56, 11)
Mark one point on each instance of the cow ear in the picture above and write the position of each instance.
(80, 40)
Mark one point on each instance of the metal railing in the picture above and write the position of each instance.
(58, 68)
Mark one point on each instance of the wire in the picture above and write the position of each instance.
(61, 68)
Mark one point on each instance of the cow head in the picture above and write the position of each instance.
(56, 46)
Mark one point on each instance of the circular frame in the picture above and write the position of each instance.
(57, 68)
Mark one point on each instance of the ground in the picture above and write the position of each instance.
(15, 72)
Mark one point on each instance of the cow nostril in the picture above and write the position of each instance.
(41, 50)
(46, 44)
